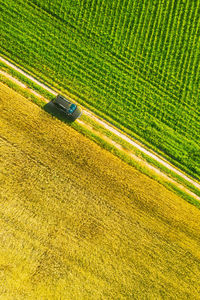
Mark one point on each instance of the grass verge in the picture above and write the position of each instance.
(106, 145)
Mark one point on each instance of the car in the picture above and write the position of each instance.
(70, 109)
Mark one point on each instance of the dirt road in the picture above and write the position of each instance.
(115, 131)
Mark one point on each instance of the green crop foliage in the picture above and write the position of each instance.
(132, 62)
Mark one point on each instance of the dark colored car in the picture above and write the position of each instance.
(70, 109)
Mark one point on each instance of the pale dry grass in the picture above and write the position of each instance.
(77, 223)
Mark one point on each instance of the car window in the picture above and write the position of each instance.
(72, 108)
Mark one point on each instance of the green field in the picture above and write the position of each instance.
(77, 223)
(135, 63)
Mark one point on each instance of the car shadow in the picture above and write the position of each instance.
(56, 112)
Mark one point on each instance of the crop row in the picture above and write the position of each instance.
(118, 62)
(79, 54)
(80, 70)
(156, 71)
(173, 17)
(82, 21)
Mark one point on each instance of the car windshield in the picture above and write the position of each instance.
(72, 108)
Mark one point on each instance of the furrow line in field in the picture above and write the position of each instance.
(162, 43)
(49, 16)
(192, 59)
(51, 46)
(182, 57)
(78, 70)
(152, 23)
(183, 38)
(170, 41)
(113, 130)
(114, 113)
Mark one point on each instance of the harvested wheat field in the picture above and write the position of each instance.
(77, 223)
(121, 59)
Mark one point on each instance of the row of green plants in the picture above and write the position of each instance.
(78, 54)
(126, 73)
(88, 120)
(101, 141)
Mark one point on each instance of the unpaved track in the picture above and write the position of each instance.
(113, 130)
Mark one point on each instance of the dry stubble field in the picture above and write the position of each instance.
(134, 63)
(77, 223)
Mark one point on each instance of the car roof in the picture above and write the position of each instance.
(62, 101)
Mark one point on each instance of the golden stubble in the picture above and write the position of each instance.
(77, 223)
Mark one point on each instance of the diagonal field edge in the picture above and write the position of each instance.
(110, 128)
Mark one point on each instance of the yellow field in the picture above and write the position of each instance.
(77, 223)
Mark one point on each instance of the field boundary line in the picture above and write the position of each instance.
(111, 128)
(110, 141)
